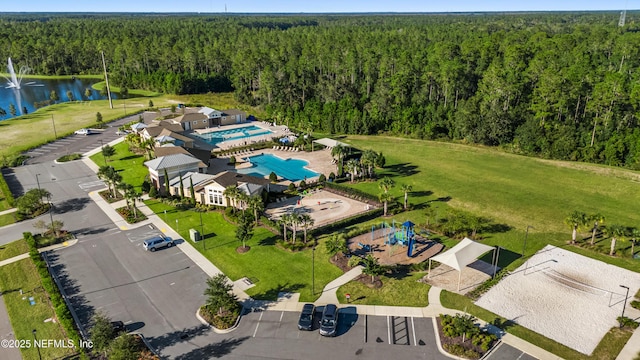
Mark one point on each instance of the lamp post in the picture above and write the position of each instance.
(54, 127)
(495, 268)
(102, 148)
(625, 304)
(36, 343)
(313, 267)
(39, 190)
(51, 215)
(524, 247)
(204, 243)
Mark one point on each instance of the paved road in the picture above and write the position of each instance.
(82, 143)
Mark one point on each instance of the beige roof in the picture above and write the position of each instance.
(189, 117)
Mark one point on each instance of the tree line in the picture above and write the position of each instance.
(555, 85)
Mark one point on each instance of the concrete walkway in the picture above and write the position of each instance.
(9, 211)
(329, 292)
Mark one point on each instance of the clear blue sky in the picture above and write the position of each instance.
(307, 6)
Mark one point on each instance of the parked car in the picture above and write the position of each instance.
(306, 317)
(156, 243)
(83, 132)
(329, 322)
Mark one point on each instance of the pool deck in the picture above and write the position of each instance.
(277, 131)
(320, 161)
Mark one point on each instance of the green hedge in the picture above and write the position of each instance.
(351, 192)
(341, 224)
(57, 301)
(4, 189)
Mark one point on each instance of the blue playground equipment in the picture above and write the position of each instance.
(403, 235)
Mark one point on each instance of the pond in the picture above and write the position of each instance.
(36, 93)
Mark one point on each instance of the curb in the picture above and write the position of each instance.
(215, 329)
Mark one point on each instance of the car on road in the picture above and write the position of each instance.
(156, 243)
(83, 132)
(329, 322)
(306, 317)
(122, 132)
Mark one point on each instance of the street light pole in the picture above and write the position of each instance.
(313, 267)
(204, 243)
(36, 343)
(625, 304)
(39, 190)
(526, 235)
(54, 127)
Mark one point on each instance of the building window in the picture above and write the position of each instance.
(195, 122)
(215, 197)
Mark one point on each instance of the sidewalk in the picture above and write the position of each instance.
(329, 292)
(9, 211)
(41, 250)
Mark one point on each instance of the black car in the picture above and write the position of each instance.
(306, 317)
(329, 322)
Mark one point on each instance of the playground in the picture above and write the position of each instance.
(323, 207)
(564, 296)
(395, 243)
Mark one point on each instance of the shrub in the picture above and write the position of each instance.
(4, 189)
(351, 192)
(69, 157)
(232, 160)
(322, 178)
(627, 322)
(635, 304)
(332, 176)
(146, 186)
(303, 184)
(340, 224)
(291, 187)
(273, 177)
(153, 192)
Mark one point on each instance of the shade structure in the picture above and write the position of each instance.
(461, 255)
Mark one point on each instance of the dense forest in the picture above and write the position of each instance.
(557, 85)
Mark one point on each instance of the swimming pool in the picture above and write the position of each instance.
(245, 132)
(290, 169)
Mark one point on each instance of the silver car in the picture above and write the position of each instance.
(156, 243)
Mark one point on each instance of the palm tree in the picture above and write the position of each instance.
(385, 198)
(368, 161)
(407, 189)
(597, 219)
(616, 232)
(339, 152)
(284, 221)
(112, 177)
(337, 243)
(130, 195)
(352, 167)
(231, 193)
(306, 221)
(372, 267)
(148, 146)
(575, 220)
(386, 184)
(255, 203)
(295, 220)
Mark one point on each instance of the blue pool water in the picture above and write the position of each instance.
(246, 132)
(290, 169)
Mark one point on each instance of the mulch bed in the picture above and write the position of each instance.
(242, 250)
(342, 262)
(457, 340)
(108, 196)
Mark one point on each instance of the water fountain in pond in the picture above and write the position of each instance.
(15, 82)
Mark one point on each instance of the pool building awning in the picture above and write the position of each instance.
(330, 143)
(461, 255)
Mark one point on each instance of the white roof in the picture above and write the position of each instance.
(138, 126)
(330, 142)
(173, 160)
(463, 254)
(208, 111)
(165, 139)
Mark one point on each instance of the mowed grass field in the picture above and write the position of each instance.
(128, 164)
(512, 190)
(22, 275)
(271, 268)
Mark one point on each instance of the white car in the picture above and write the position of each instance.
(83, 132)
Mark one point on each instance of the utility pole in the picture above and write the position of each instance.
(106, 80)
(55, 135)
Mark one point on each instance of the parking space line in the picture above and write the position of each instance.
(388, 330)
(258, 324)
(281, 315)
(413, 327)
(365, 328)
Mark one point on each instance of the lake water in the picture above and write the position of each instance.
(35, 91)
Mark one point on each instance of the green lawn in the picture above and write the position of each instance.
(7, 219)
(611, 344)
(129, 165)
(13, 249)
(393, 292)
(271, 268)
(25, 317)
